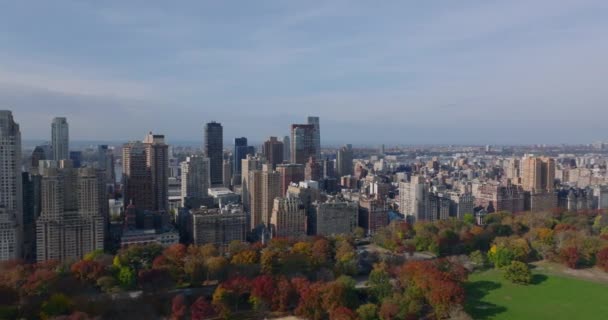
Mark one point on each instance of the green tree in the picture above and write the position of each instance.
(58, 304)
(368, 311)
(518, 272)
(359, 232)
(379, 283)
(469, 218)
(126, 277)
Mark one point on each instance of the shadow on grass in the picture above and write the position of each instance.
(538, 279)
(478, 309)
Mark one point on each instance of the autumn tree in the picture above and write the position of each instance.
(602, 259)
(518, 272)
(201, 309)
(178, 307)
(379, 282)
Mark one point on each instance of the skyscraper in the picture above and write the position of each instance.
(316, 136)
(157, 154)
(286, 149)
(302, 143)
(239, 153)
(71, 222)
(105, 162)
(264, 186)
(248, 165)
(137, 180)
(214, 150)
(273, 151)
(344, 161)
(60, 138)
(195, 179)
(290, 173)
(11, 197)
(145, 173)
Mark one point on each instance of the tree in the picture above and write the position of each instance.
(88, 270)
(154, 280)
(518, 272)
(500, 256)
(216, 267)
(601, 259)
(379, 282)
(570, 256)
(262, 292)
(342, 313)
(58, 304)
(359, 232)
(468, 218)
(178, 307)
(245, 257)
(285, 296)
(368, 311)
(479, 259)
(221, 301)
(201, 309)
(126, 277)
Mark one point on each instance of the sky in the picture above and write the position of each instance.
(393, 72)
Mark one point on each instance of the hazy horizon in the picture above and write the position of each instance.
(466, 72)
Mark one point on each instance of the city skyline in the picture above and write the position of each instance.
(466, 67)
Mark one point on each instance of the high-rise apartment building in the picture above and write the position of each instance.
(249, 164)
(227, 173)
(239, 153)
(146, 173)
(538, 178)
(11, 192)
(538, 174)
(373, 214)
(32, 198)
(105, 162)
(286, 149)
(316, 136)
(335, 217)
(344, 161)
(60, 138)
(414, 199)
(264, 186)
(302, 143)
(290, 173)
(313, 170)
(219, 226)
(214, 150)
(71, 222)
(157, 153)
(288, 218)
(273, 151)
(195, 179)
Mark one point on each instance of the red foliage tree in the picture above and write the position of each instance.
(601, 259)
(570, 256)
(342, 313)
(88, 270)
(263, 289)
(439, 281)
(178, 307)
(201, 309)
(285, 295)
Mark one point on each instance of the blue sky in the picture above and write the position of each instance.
(374, 71)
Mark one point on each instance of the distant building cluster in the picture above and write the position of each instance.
(60, 203)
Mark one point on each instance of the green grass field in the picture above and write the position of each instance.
(552, 297)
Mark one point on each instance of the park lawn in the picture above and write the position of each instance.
(490, 296)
